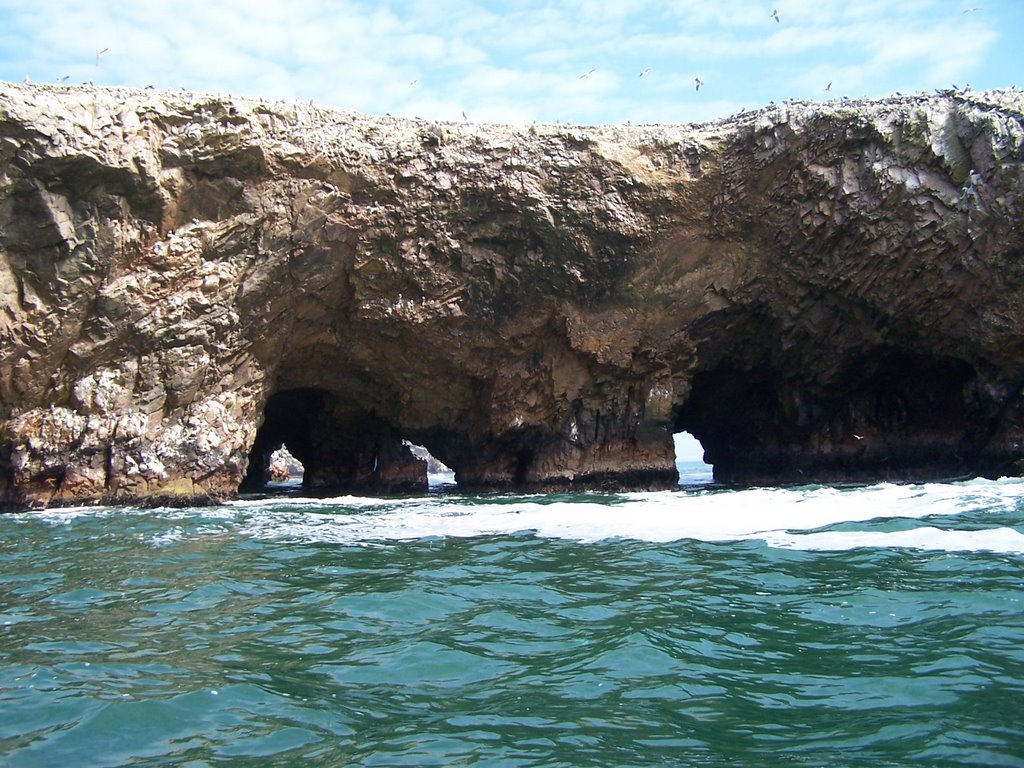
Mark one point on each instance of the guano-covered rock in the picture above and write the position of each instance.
(817, 291)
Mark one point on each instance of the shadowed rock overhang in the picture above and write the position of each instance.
(816, 291)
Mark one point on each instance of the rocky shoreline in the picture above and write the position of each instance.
(817, 291)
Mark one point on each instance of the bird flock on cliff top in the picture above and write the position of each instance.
(698, 83)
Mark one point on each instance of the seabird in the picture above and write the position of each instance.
(829, 86)
(859, 437)
(645, 72)
(26, 78)
(464, 117)
(775, 15)
(100, 54)
(587, 74)
(64, 79)
(413, 82)
(698, 82)
(972, 10)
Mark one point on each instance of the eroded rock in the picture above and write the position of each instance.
(815, 291)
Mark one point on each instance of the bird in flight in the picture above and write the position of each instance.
(645, 72)
(698, 82)
(829, 86)
(413, 82)
(971, 10)
(775, 15)
(100, 53)
(587, 74)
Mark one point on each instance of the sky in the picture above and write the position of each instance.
(520, 61)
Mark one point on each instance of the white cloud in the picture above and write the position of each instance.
(513, 60)
(944, 53)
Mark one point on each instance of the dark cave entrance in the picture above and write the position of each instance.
(288, 420)
(728, 411)
(886, 414)
(341, 447)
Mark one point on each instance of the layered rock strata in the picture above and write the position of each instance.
(817, 291)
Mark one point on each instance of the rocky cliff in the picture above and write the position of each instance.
(821, 291)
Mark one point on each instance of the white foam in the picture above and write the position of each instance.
(792, 518)
(64, 515)
(328, 502)
(789, 518)
(1002, 540)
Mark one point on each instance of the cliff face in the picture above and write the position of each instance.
(815, 291)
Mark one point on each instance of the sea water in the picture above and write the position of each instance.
(877, 625)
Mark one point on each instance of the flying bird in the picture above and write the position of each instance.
(698, 82)
(413, 82)
(100, 53)
(645, 72)
(829, 86)
(775, 15)
(587, 74)
(64, 79)
(972, 10)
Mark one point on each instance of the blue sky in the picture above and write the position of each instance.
(520, 61)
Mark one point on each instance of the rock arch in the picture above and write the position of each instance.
(887, 414)
(815, 291)
(342, 447)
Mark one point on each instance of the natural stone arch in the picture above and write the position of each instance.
(342, 447)
(539, 307)
(888, 413)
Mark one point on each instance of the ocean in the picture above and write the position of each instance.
(877, 625)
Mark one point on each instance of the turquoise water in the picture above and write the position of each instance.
(878, 626)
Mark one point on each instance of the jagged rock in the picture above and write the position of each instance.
(815, 291)
(434, 466)
(283, 466)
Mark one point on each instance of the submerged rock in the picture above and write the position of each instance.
(816, 291)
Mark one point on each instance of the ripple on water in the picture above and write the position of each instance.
(686, 628)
